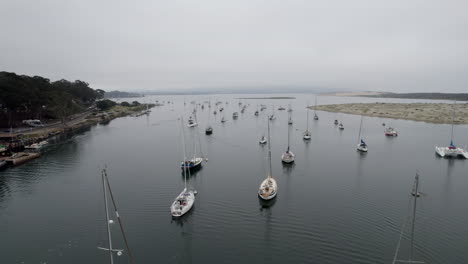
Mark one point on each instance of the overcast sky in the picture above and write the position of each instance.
(388, 45)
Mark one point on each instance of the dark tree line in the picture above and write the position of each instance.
(25, 97)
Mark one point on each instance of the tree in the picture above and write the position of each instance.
(135, 103)
(126, 104)
(105, 104)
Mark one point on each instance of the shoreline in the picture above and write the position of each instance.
(39, 134)
(436, 113)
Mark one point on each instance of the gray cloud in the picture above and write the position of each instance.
(394, 45)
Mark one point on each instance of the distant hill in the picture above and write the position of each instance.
(119, 94)
(429, 96)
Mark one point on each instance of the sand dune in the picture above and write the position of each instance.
(432, 113)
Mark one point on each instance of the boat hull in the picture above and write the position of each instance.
(182, 203)
(191, 164)
(447, 152)
(361, 148)
(268, 189)
(288, 157)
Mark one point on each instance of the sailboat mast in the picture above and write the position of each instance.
(359, 136)
(453, 120)
(269, 149)
(183, 149)
(307, 118)
(288, 138)
(315, 110)
(413, 220)
(120, 221)
(109, 237)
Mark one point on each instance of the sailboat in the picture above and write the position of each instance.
(192, 122)
(106, 189)
(268, 188)
(288, 156)
(209, 129)
(452, 150)
(362, 146)
(307, 134)
(195, 161)
(315, 110)
(273, 117)
(185, 200)
(256, 111)
(290, 121)
(416, 194)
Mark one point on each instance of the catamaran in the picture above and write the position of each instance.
(185, 200)
(452, 150)
(362, 146)
(107, 189)
(268, 188)
(307, 134)
(416, 194)
(288, 156)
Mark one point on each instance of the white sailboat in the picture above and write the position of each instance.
(315, 110)
(361, 146)
(195, 161)
(452, 150)
(185, 200)
(307, 134)
(268, 188)
(106, 189)
(416, 194)
(288, 156)
(273, 117)
(192, 122)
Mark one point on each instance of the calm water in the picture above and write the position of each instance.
(334, 205)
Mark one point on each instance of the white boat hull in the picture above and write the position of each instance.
(288, 157)
(183, 203)
(192, 125)
(193, 163)
(451, 153)
(268, 189)
(361, 148)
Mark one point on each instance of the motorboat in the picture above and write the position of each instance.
(390, 132)
(340, 126)
(37, 145)
(336, 122)
(263, 140)
(209, 130)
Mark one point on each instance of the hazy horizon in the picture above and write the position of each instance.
(363, 45)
